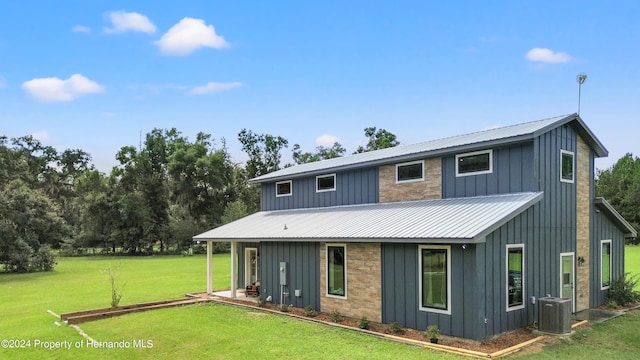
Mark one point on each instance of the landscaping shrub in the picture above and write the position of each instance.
(395, 328)
(335, 316)
(363, 323)
(622, 290)
(310, 311)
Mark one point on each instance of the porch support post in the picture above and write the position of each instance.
(234, 268)
(209, 267)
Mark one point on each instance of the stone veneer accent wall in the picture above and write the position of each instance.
(583, 223)
(364, 282)
(429, 188)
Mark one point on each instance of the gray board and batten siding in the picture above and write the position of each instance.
(358, 186)
(303, 270)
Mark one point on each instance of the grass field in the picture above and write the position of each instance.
(212, 330)
(632, 261)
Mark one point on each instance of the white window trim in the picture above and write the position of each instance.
(290, 188)
(326, 176)
(573, 281)
(447, 311)
(573, 165)
(398, 181)
(602, 242)
(524, 295)
(344, 245)
(480, 172)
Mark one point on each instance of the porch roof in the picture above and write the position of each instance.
(456, 220)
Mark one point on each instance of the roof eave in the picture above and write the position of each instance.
(621, 222)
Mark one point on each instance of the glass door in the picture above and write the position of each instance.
(251, 266)
(567, 278)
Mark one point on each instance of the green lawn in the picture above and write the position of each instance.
(213, 330)
(632, 261)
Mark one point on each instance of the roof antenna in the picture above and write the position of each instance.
(581, 78)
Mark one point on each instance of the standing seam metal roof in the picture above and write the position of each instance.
(497, 136)
(463, 220)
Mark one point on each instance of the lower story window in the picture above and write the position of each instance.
(515, 272)
(435, 278)
(336, 270)
(605, 269)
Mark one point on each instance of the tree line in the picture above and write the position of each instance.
(159, 195)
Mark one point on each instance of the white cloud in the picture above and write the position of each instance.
(326, 140)
(56, 90)
(214, 87)
(41, 135)
(82, 29)
(189, 35)
(123, 21)
(547, 56)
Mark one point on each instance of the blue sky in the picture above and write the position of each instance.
(95, 74)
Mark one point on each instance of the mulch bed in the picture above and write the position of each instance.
(489, 346)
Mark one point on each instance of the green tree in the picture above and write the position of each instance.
(321, 153)
(263, 151)
(620, 185)
(378, 139)
(28, 221)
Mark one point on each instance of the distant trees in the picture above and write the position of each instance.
(620, 185)
(159, 195)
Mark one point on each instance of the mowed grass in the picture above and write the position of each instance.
(216, 331)
(191, 332)
(632, 261)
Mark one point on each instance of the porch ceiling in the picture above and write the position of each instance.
(457, 220)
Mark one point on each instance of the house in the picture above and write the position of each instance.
(465, 232)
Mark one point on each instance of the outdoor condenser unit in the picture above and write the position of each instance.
(554, 315)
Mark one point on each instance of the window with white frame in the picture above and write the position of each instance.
(515, 276)
(326, 183)
(410, 171)
(474, 163)
(283, 188)
(434, 265)
(566, 166)
(337, 270)
(605, 264)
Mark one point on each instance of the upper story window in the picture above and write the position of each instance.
(435, 278)
(283, 188)
(474, 163)
(566, 166)
(515, 277)
(410, 171)
(326, 183)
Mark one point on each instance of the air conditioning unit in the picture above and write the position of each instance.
(554, 315)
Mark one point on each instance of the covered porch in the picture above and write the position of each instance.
(250, 272)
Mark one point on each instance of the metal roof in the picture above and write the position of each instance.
(603, 205)
(456, 220)
(498, 136)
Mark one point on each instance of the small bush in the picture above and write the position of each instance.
(395, 328)
(432, 332)
(310, 311)
(622, 290)
(335, 316)
(43, 259)
(363, 323)
(284, 307)
(260, 301)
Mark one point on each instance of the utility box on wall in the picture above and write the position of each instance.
(554, 315)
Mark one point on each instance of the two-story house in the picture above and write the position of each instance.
(464, 232)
